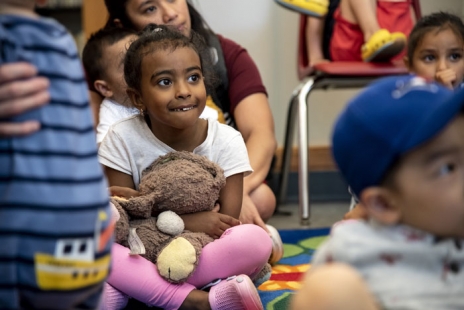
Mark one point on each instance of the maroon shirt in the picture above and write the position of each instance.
(242, 72)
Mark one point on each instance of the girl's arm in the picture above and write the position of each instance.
(230, 197)
(121, 184)
(214, 223)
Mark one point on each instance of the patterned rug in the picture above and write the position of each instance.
(299, 246)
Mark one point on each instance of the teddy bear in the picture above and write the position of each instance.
(149, 224)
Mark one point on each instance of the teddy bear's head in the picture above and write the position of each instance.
(182, 182)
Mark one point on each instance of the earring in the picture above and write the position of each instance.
(142, 113)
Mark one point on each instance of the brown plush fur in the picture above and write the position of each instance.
(182, 182)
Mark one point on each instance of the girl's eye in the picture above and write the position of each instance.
(428, 58)
(447, 169)
(164, 82)
(194, 78)
(150, 9)
(455, 56)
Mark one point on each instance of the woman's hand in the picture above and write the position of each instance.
(250, 214)
(212, 223)
(20, 91)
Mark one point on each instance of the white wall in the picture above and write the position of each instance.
(269, 33)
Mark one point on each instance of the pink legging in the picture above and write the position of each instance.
(242, 249)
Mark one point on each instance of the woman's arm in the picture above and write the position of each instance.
(254, 120)
(256, 124)
(20, 91)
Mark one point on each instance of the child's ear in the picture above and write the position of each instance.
(406, 62)
(117, 22)
(135, 98)
(103, 88)
(380, 205)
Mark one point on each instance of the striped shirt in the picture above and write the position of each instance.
(55, 230)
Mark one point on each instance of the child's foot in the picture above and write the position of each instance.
(113, 299)
(235, 293)
(277, 245)
(316, 8)
(263, 275)
(383, 46)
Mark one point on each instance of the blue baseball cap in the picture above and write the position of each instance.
(387, 119)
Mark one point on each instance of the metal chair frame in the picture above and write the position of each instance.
(330, 75)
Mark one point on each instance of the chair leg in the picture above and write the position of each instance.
(288, 143)
(303, 167)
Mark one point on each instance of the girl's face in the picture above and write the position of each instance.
(439, 56)
(161, 12)
(173, 92)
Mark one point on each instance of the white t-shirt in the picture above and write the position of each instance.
(404, 268)
(112, 112)
(130, 147)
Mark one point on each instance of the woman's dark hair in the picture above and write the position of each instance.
(161, 37)
(117, 10)
(438, 22)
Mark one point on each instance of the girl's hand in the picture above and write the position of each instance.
(124, 192)
(212, 223)
(20, 91)
(446, 77)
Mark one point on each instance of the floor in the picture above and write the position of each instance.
(321, 215)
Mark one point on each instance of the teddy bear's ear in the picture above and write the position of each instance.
(122, 225)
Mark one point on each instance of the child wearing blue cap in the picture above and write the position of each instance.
(400, 146)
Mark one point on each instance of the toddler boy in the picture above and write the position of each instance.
(103, 59)
(400, 146)
(55, 228)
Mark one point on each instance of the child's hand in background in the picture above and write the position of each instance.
(212, 223)
(446, 77)
(124, 192)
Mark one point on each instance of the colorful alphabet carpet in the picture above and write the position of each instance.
(299, 246)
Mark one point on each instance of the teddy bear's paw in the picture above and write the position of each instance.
(177, 260)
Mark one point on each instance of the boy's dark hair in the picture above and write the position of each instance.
(92, 55)
(436, 21)
(117, 10)
(161, 37)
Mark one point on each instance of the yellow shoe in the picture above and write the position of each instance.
(316, 8)
(383, 46)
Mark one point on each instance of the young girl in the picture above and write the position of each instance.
(166, 75)
(436, 49)
(435, 52)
